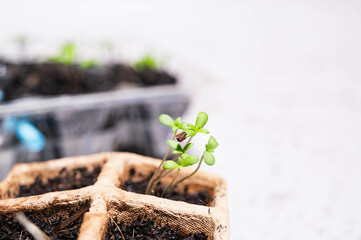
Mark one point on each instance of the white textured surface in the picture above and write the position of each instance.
(284, 97)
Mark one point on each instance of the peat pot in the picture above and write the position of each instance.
(85, 198)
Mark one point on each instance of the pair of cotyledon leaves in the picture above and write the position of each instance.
(190, 129)
(208, 153)
(186, 159)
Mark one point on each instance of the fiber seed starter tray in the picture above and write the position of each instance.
(103, 200)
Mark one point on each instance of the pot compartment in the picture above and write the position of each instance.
(46, 218)
(195, 190)
(40, 178)
(145, 222)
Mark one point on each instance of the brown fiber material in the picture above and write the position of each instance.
(108, 200)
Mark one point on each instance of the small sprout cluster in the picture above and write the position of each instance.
(147, 62)
(68, 54)
(183, 158)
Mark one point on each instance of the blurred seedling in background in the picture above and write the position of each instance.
(91, 63)
(108, 47)
(183, 158)
(147, 62)
(68, 54)
(22, 42)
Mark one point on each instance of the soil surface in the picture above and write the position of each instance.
(66, 180)
(49, 79)
(46, 220)
(145, 228)
(199, 198)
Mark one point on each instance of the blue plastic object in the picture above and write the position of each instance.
(1, 95)
(27, 133)
(9, 124)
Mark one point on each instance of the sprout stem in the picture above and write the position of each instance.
(189, 140)
(151, 181)
(175, 157)
(161, 177)
(170, 184)
(186, 177)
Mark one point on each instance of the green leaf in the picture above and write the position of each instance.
(187, 147)
(173, 144)
(67, 54)
(168, 165)
(185, 155)
(186, 126)
(177, 152)
(209, 158)
(174, 129)
(202, 130)
(147, 62)
(190, 160)
(166, 120)
(190, 133)
(177, 121)
(201, 120)
(86, 64)
(212, 144)
(180, 162)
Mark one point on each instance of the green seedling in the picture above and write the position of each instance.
(21, 39)
(86, 64)
(22, 42)
(68, 55)
(147, 62)
(108, 48)
(192, 130)
(183, 158)
(107, 45)
(169, 122)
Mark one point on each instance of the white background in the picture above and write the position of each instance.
(281, 86)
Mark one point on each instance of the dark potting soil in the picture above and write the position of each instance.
(49, 79)
(65, 180)
(150, 77)
(46, 220)
(199, 198)
(145, 228)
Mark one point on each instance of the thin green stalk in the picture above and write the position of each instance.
(161, 177)
(186, 177)
(189, 140)
(170, 184)
(175, 157)
(151, 181)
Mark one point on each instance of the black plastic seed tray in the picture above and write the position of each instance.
(124, 120)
